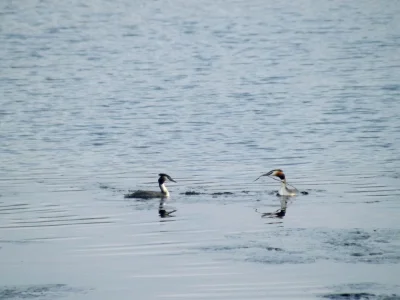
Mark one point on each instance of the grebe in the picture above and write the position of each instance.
(284, 190)
(151, 194)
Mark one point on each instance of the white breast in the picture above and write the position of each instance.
(283, 191)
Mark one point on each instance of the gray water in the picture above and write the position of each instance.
(98, 97)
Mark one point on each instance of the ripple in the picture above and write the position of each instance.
(315, 245)
(37, 291)
(360, 291)
(214, 94)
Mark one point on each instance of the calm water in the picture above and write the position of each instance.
(98, 97)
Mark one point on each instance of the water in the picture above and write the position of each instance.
(99, 97)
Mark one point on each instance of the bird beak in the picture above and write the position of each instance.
(170, 179)
(266, 174)
(270, 173)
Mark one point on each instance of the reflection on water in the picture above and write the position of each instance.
(162, 211)
(281, 212)
(211, 92)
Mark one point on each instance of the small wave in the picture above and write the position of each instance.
(52, 291)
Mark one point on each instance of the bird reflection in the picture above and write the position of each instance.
(280, 213)
(162, 211)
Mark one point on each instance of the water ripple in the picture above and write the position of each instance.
(99, 97)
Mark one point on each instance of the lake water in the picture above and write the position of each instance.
(98, 97)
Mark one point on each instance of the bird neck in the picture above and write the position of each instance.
(282, 190)
(164, 190)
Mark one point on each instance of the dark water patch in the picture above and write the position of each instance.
(273, 249)
(351, 244)
(361, 296)
(105, 186)
(48, 291)
(274, 223)
(351, 296)
(260, 253)
(310, 245)
(192, 193)
(391, 87)
(360, 245)
(221, 194)
(108, 187)
(238, 247)
(357, 254)
(280, 260)
(361, 291)
(393, 175)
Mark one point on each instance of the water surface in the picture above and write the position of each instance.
(100, 97)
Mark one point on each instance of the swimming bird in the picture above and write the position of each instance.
(284, 190)
(152, 194)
